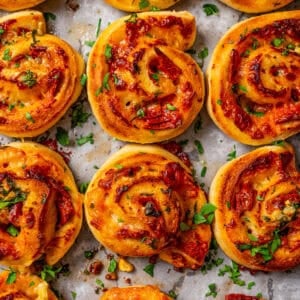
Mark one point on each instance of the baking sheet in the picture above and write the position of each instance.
(78, 26)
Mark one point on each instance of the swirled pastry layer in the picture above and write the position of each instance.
(25, 287)
(39, 75)
(141, 203)
(141, 85)
(256, 6)
(135, 293)
(254, 79)
(257, 219)
(40, 207)
(138, 5)
(12, 5)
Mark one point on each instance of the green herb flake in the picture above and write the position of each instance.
(50, 272)
(228, 204)
(49, 16)
(90, 254)
(2, 31)
(212, 290)
(206, 214)
(112, 265)
(219, 102)
(100, 283)
(140, 113)
(198, 124)
(255, 44)
(143, 4)
(277, 42)
(79, 116)
(74, 295)
(203, 172)
(172, 294)
(149, 269)
(171, 107)
(29, 79)
(83, 79)
(12, 277)
(210, 9)
(31, 283)
(184, 227)
(155, 76)
(108, 52)
(62, 136)
(118, 166)
(98, 27)
(231, 155)
(89, 43)
(12, 230)
(6, 55)
(85, 139)
(250, 285)
(203, 53)
(83, 187)
(132, 19)
(29, 117)
(279, 143)
(259, 198)
(199, 146)
(252, 237)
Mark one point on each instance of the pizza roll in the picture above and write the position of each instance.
(256, 6)
(40, 206)
(141, 85)
(12, 5)
(39, 75)
(141, 5)
(135, 293)
(254, 79)
(23, 287)
(257, 219)
(142, 202)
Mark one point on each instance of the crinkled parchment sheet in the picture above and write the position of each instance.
(76, 22)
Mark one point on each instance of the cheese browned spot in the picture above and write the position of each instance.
(40, 207)
(141, 85)
(135, 292)
(12, 5)
(39, 75)
(140, 5)
(142, 202)
(25, 287)
(257, 219)
(256, 6)
(254, 79)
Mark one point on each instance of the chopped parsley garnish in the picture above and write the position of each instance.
(171, 107)
(11, 196)
(233, 272)
(203, 172)
(250, 285)
(206, 214)
(1, 31)
(100, 283)
(98, 27)
(255, 113)
(49, 16)
(155, 76)
(29, 117)
(12, 276)
(212, 290)
(132, 19)
(104, 86)
(143, 4)
(198, 124)
(50, 272)
(172, 294)
(112, 265)
(79, 116)
(149, 269)
(199, 146)
(184, 227)
(90, 254)
(83, 187)
(74, 295)
(210, 9)
(85, 139)
(219, 102)
(29, 79)
(83, 79)
(108, 51)
(89, 43)
(202, 55)
(255, 44)
(277, 42)
(140, 113)
(6, 55)
(279, 143)
(231, 155)
(62, 136)
(12, 230)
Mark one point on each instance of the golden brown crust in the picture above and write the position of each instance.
(256, 6)
(40, 206)
(254, 79)
(257, 219)
(141, 85)
(135, 293)
(39, 75)
(12, 5)
(135, 5)
(26, 286)
(138, 201)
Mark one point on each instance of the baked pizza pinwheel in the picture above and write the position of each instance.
(143, 202)
(141, 85)
(17, 286)
(254, 79)
(256, 6)
(140, 5)
(257, 219)
(40, 206)
(135, 292)
(12, 5)
(39, 75)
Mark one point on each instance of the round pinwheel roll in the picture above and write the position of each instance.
(40, 206)
(256, 6)
(135, 292)
(141, 85)
(141, 5)
(39, 75)
(257, 219)
(143, 201)
(254, 79)
(12, 5)
(14, 285)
